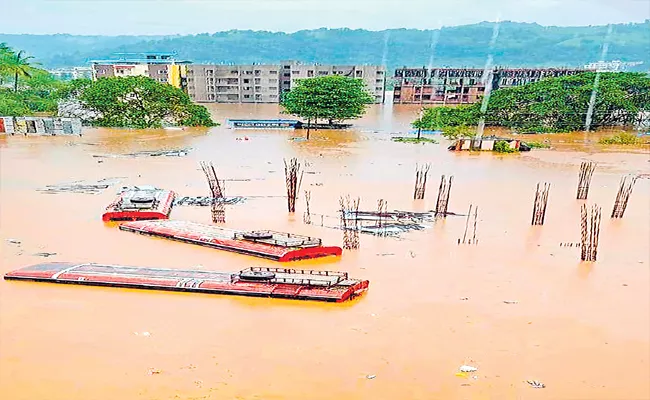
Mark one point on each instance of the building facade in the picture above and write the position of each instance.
(463, 85)
(160, 66)
(72, 73)
(259, 83)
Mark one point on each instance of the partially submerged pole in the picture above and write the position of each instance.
(623, 196)
(350, 222)
(293, 177)
(539, 205)
(584, 179)
(217, 191)
(443, 196)
(590, 232)
(421, 174)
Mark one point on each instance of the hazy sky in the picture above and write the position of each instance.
(128, 17)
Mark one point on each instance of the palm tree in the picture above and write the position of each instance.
(17, 64)
(5, 53)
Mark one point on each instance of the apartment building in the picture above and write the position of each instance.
(254, 83)
(258, 83)
(161, 66)
(463, 85)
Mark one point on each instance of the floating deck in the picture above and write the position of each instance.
(257, 281)
(140, 203)
(278, 246)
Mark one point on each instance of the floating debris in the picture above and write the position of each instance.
(536, 384)
(14, 241)
(205, 201)
(467, 368)
(155, 153)
(81, 187)
(154, 371)
(44, 254)
(371, 376)
(510, 301)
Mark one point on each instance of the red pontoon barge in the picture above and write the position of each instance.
(276, 246)
(140, 203)
(257, 281)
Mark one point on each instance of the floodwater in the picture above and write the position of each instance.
(583, 329)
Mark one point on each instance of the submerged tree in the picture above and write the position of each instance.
(139, 102)
(15, 64)
(554, 104)
(334, 98)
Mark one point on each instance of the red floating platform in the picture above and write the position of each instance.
(140, 203)
(276, 246)
(257, 281)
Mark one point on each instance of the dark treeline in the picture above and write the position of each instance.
(518, 44)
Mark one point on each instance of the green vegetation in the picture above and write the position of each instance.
(138, 102)
(502, 146)
(518, 44)
(24, 88)
(555, 104)
(403, 139)
(621, 138)
(334, 98)
(538, 145)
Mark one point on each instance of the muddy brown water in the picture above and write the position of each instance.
(582, 329)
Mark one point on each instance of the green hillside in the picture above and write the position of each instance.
(518, 44)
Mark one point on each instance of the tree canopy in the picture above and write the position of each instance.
(138, 102)
(554, 104)
(333, 98)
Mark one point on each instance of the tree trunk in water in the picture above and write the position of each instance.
(419, 132)
(330, 122)
(308, 127)
(16, 82)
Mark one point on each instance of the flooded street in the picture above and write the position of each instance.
(583, 329)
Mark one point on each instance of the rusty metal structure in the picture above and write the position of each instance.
(293, 175)
(623, 196)
(590, 224)
(306, 217)
(584, 179)
(350, 226)
(218, 192)
(539, 205)
(421, 174)
(443, 196)
(472, 218)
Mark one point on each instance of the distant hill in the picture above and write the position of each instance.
(518, 44)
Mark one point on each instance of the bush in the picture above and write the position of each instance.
(621, 138)
(538, 145)
(503, 147)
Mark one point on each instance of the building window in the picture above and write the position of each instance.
(295, 72)
(273, 96)
(247, 81)
(210, 97)
(247, 96)
(380, 72)
(209, 72)
(273, 72)
(287, 75)
(287, 67)
(162, 71)
(258, 88)
(379, 81)
(379, 88)
(359, 74)
(234, 71)
(323, 73)
(310, 73)
(273, 88)
(258, 80)
(273, 81)
(247, 88)
(249, 72)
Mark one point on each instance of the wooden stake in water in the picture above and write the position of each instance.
(382, 207)
(584, 179)
(421, 174)
(623, 196)
(539, 205)
(293, 177)
(350, 222)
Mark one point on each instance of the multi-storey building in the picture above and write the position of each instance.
(233, 83)
(463, 85)
(161, 66)
(258, 83)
